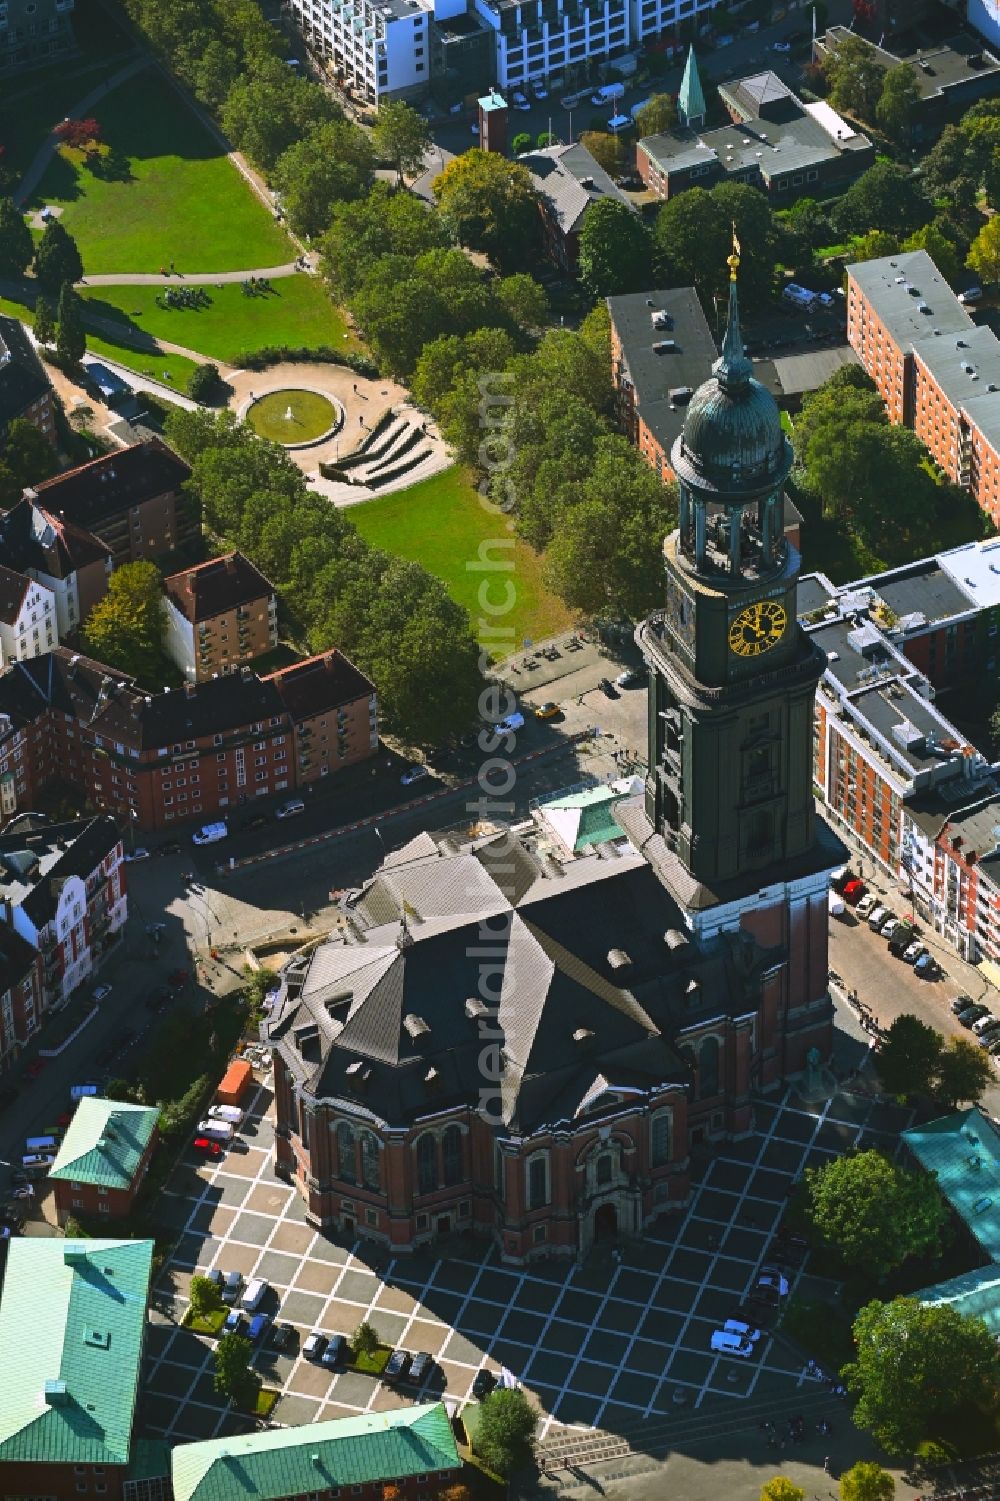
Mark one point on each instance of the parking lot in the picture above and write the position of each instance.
(609, 1344)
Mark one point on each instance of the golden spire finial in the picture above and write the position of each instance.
(733, 261)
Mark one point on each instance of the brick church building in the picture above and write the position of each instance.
(529, 1047)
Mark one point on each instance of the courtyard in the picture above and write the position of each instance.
(617, 1344)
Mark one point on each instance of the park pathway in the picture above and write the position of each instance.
(189, 278)
(46, 151)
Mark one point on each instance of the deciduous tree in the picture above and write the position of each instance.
(57, 259)
(885, 197)
(364, 1340)
(950, 169)
(125, 629)
(45, 321)
(334, 161)
(402, 138)
(657, 115)
(609, 151)
(899, 98)
(523, 299)
(915, 1362)
(204, 1296)
(908, 1059)
(26, 457)
(939, 246)
(233, 1376)
(867, 1481)
(873, 1213)
(855, 78)
(507, 1424)
(964, 1073)
(781, 1489)
(384, 223)
(266, 113)
(615, 249)
(16, 245)
(490, 204)
(984, 252)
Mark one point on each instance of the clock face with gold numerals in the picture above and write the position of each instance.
(757, 628)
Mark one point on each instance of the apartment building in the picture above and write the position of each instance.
(24, 387)
(220, 615)
(936, 370)
(28, 624)
(200, 751)
(569, 182)
(132, 500)
(390, 49)
(62, 889)
(21, 998)
(103, 1158)
(33, 33)
(69, 562)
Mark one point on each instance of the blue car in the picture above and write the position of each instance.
(259, 1325)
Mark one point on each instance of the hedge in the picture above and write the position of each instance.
(322, 354)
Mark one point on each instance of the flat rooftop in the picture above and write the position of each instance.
(814, 591)
(939, 67)
(975, 570)
(920, 589)
(966, 366)
(898, 286)
(661, 360)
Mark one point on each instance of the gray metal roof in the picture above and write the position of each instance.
(921, 589)
(897, 285)
(655, 371)
(798, 373)
(967, 368)
(571, 180)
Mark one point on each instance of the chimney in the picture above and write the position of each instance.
(230, 562)
(189, 690)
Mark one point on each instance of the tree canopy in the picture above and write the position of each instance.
(984, 252)
(26, 456)
(125, 629)
(71, 341)
(233, 1377)
(908, 1060)
(914, 1362)
(886, 197)
(334, 161)
(204, 1295)
(609, 151)
(615, 249)
(693, 238)
(899, 97)
(874, 1214)
(856, 80)
(401, 137)
(16, 244)
(781, 1489)
(657, 115)
(490, 204)
(506, 1427)
(57, 259)
(383, 224)
(267, 112)
(867, 1481)
(964, 1073)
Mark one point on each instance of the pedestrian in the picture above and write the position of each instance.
(163, 270)
(171, 268)
(826, 1465)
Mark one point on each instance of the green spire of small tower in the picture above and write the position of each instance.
(691, 99)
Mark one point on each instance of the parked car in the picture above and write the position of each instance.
(827, 299)
(172, 847)
(413, 774)
(139, 854)
(888, 930)
(743, 1329)
(283, 1337)
(232, 1286)
(866, 905)
(630, 677)
(913, 952)
(290, 810)
(259, 1325)
(521, 101)
(314, 1346)
(772, 1282)
(972, 1014)
(255, 821)
(878, 918)
(961, 1003)
(971, 294)
(982, 1022)
(854, 892)
(207, 1147)
(926, 967)
(210, 833)
(420, 1366)
(781, 46)
(100, 992)
(336, 1349)
(730, 1344)
(233, 1323)
(547, 711)
(483, 1383)
(607, 688)
(396, 1366)
(216, 1276)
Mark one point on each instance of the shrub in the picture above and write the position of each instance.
(322, 354)
(204, 384)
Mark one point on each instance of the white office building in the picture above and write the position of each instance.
(392, 49)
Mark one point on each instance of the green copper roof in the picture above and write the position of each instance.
(963, 1151)
(319, 1456)
(150, 1459)
(975, 1295)
(105, 1142)
(72, 1319)
(690, 98)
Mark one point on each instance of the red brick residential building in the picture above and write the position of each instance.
(569, 181)
(132, 500)
(937, 372)
(220, 615)
(62, 889)
(70, 562)
(200, 751)
(21, 993)
(103, 1158)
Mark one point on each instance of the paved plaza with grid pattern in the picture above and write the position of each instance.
(611, 1344)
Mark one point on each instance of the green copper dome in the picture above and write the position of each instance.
(732, 441)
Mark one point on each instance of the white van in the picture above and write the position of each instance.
(254, 1294)
(835, 904)
(36, 1163)
(619, 122)
(606, 93)
(210, 833)
(725, 1343)
(215, 1129)
(232, 1114)
(509, 725)
(83, 1091)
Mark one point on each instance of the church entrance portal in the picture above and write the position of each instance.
(606, 1223)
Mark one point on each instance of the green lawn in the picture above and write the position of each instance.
(180, 201)
(172, 369)
(292, 416)
(298, 312)
(209, 1323)
(441, 524)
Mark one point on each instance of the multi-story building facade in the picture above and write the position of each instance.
(21, 993)
(84, 1356)
(71, 563)
(34, 32)
(24, 387)
(937, 372)
(200, 751)
(132, 500)
(62, 889)
(103, 1158)
(569, 182)
(220, 615)
(390, 49)
(528, 1042)
(28, 624)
